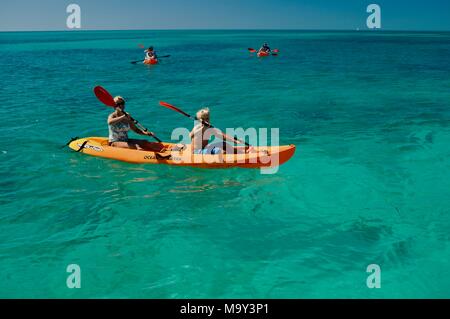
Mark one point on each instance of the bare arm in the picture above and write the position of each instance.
(139, 131)
(136, 129)
(230, 139)
(115, 119)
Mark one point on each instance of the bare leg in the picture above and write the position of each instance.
(123, 145)
(228, 148)
(138, 145)
(177, 148)
(144, 145)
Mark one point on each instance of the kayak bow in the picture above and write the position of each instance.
(151, 61)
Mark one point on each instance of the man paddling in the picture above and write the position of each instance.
(265, 48)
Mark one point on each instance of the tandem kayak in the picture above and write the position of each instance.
(263, 156)
(151, 61)
(263, 54)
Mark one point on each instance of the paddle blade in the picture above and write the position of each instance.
(141, 46)
(252, 50)
(104, 96)
(275, 50)
(169, 106)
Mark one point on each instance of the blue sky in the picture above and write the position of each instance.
(219, 14)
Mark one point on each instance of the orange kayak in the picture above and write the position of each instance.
(151, 61)
(262, 54)
(160, 153)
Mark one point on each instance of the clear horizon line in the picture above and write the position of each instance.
(232, 29)
(229, 29)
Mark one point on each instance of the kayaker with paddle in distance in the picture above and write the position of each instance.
(265, 48)
(120, 123)
(150, 54)
(202, 132)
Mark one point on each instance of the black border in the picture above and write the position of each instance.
(278, 308)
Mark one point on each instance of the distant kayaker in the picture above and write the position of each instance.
(265, 48)
(150, 54)
(119, 124)
(202, 132)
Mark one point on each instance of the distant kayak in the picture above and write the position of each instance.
(151, 61)
(263, 54)
(262, 157)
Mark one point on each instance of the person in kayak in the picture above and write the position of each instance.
(150, 54)
(265, 48)
(119, 124)
(202, 132)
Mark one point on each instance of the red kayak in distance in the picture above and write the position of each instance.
(263, 54)
(151, 61)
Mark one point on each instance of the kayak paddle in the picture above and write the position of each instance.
(172, 107)
(160, 57)
(108, 100)
(274, 51)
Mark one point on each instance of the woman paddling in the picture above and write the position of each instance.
(202, 132)
(120, 123)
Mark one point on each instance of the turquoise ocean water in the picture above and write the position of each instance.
(369, 113)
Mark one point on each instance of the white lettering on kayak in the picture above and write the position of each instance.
(92, 147)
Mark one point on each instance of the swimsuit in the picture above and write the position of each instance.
(118, 132)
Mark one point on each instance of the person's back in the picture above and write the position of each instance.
(199, 142)
(203, 131)
(198, 134)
